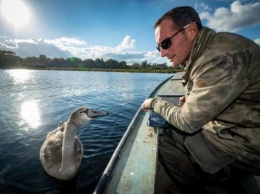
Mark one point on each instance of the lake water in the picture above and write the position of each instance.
(32, 104)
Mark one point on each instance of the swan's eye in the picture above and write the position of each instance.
(80, 112)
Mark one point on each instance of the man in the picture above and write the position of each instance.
(217, 123)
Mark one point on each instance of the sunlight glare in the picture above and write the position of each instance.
(16, 12)
(30, 113)
(20, 76)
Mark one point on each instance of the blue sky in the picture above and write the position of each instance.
(117, 29)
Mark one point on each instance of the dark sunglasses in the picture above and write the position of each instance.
(167, 42)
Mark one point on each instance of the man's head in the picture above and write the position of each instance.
(175, 33)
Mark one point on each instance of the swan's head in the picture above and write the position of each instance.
(85, 114)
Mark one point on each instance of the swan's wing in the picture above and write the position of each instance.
(61, 126)
(78, 149)
(50, 152)
(55, 132)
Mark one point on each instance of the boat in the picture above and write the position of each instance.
(128, 171)
(134, 166)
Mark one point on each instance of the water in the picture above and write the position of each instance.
(32, 103)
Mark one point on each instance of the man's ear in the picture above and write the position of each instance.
(192, 31)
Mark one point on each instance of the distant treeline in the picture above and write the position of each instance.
(9, 60)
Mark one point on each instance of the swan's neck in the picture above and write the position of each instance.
(68, 147)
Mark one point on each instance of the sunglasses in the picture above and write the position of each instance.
(167, 42)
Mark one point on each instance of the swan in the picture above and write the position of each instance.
(61, 152)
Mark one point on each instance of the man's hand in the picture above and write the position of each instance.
(146, 104)
(182, 101)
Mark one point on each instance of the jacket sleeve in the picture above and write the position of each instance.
(216, 83)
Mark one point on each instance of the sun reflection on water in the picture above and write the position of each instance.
(20, 75)
(30, 113)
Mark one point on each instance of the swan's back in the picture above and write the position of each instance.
(51, 152)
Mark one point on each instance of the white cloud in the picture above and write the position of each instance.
(257, 41)
(32, 41)
(237, 17)
(202, 7)
(154, 56)
(65, 42)
(127, 43)
(66, 47)
(3, 37)
(32, 47)
(75, 46)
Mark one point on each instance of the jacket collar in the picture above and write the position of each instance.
(203, 40)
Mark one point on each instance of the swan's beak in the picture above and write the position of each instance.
(93, 113)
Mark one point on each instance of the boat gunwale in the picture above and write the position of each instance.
(111, 166)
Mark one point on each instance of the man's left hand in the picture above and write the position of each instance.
(146, 104)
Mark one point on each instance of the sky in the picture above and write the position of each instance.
(110, 29)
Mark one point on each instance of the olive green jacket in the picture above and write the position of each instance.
(222, 83)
